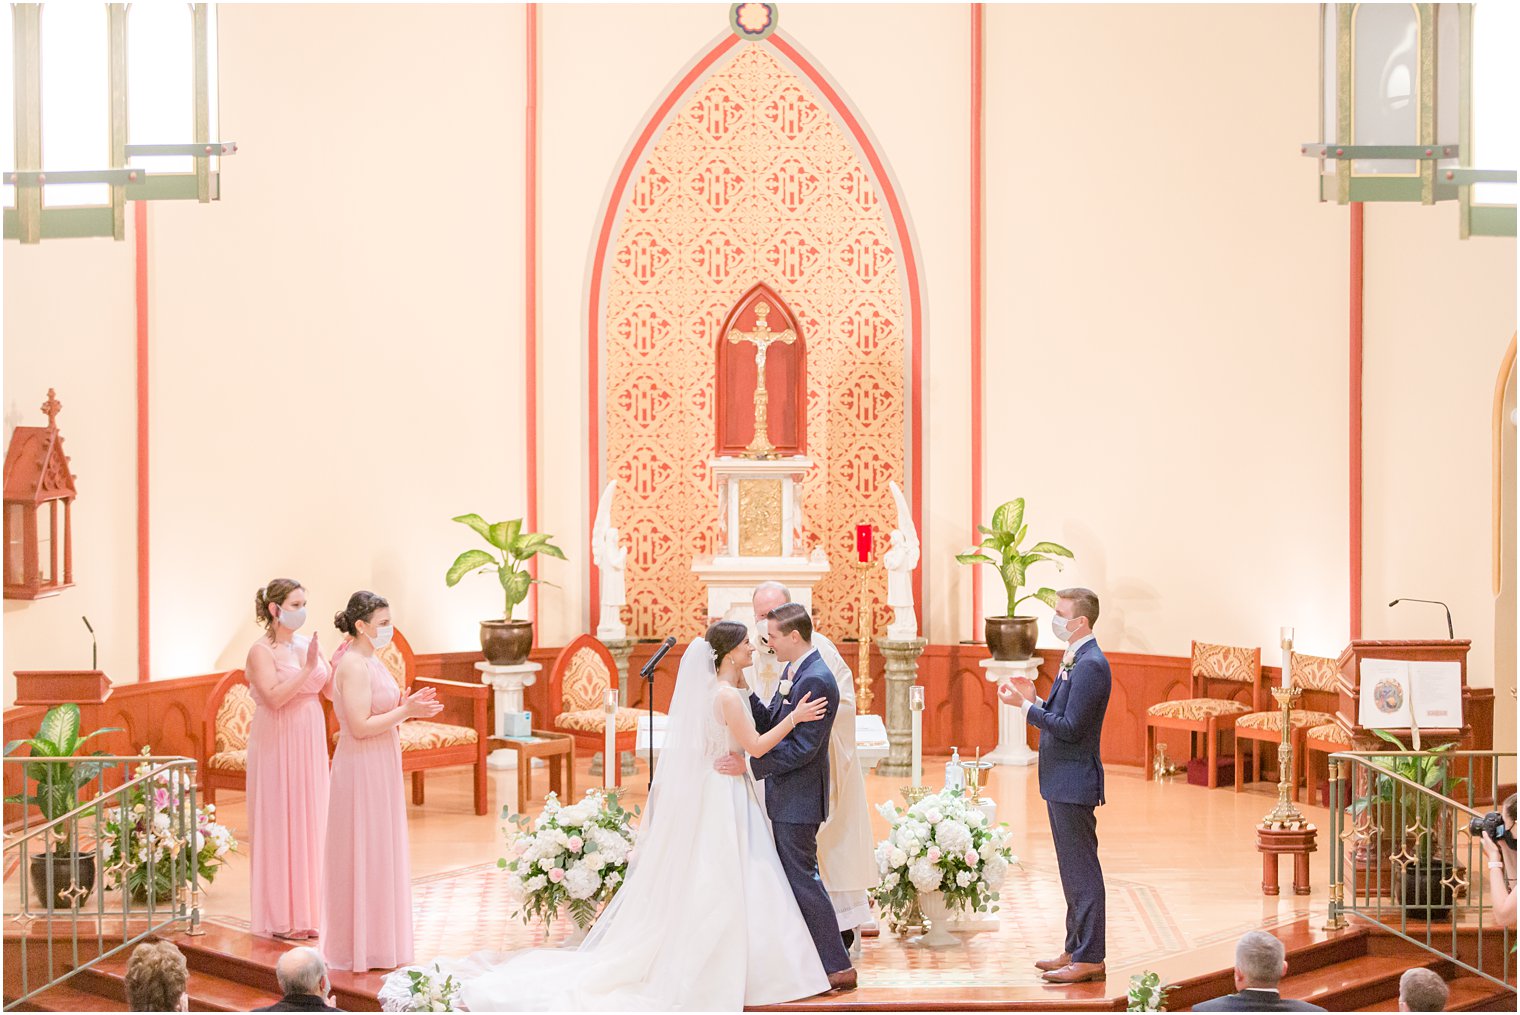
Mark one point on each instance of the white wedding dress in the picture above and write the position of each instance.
(705, 921)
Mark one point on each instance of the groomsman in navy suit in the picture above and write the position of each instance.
(1070, 722)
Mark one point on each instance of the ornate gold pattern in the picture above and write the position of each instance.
(585, 680)
(753, 180)
(760, 517)
(234, 719)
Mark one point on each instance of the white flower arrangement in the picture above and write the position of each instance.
(942, 843)
(1146, 992)
(572, 858)
(432, 991)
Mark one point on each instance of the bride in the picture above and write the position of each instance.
(706, 920)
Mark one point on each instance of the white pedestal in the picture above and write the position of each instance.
(1013, 747)
(508, 683)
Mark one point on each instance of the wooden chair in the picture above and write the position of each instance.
(1315, 677)
(1221, 675)
(427, 745)
(583, 672)
(228, 717)
(1327, 738)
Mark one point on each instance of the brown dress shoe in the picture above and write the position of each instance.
(845, 979)
(1050, 965)
(1077, 972)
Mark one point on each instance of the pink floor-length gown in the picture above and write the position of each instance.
(287, 801)
(367, 902)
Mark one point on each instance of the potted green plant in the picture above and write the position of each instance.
(1413, 825)
(1011, 636)
(56, 794)
(505, 642)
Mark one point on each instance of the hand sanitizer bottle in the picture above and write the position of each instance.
(955, 776)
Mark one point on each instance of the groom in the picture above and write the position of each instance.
(797, 774)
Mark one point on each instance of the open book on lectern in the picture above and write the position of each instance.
(1400, 694)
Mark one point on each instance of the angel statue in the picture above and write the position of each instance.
(611, 560)
(900, 560)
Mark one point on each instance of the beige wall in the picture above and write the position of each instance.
(1167, 325)
(337, 345)
(1439, 314)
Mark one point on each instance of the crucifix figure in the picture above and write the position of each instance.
(760, 446)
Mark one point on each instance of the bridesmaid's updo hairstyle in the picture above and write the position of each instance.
(724, 637)
(361, 606)
(277, 591)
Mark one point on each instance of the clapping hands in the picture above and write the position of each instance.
(423, 704)
(1017, 691)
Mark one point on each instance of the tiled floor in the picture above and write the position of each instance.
(1182, 871)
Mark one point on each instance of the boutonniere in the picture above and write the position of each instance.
(1066, 665)
(785, 688)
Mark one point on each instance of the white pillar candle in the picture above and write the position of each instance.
(916, 707)
(1287, 656)
(609, 752)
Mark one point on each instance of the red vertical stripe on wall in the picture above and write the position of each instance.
(140, 252)
(530, 284)
(977, 305)
(1356, 421)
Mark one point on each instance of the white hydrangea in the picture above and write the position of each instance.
(994, 871)
(610, 844)
(964, 878)
(899, 857)
(926, 877)
(536, 883)
(952, 836)
(582, 882)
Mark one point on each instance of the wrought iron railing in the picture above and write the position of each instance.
(1403, 855)
(133, 835)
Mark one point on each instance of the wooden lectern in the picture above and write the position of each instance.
(1351, 690)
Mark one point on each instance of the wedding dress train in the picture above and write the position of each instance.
(705, 921)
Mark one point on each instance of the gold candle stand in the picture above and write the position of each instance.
(1286, 814)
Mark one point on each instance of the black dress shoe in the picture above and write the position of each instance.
(848, 937)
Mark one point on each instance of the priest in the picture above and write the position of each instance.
(845, 849)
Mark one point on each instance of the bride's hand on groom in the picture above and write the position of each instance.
(729, 764)
(809, 709)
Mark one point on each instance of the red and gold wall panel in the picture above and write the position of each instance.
(754, 179)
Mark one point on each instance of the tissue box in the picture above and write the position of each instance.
(516, 724)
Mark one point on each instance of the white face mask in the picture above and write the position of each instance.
(292, 619)
(1060, 627)
(381, 636)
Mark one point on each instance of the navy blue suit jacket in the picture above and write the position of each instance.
(797, 769)
(1071, 725)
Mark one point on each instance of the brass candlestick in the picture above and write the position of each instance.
(1286, 814)
(867, 614)
(913, 919)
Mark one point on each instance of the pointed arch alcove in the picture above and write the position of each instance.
(751, 171)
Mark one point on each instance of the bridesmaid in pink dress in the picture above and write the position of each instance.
(367, 903)
(287, 766)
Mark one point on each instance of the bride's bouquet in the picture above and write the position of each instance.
(942, 844)
(572, 858)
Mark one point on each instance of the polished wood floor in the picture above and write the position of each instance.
(1180, 862)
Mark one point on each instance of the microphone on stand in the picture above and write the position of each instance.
(1450, 631)
(647, 672)
(94, 645)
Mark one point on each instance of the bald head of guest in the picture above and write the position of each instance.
(302, 971)
(1422, 990)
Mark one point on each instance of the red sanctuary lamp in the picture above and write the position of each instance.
(864, 541)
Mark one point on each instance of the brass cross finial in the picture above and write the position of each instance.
(52, 407)
(760, 445)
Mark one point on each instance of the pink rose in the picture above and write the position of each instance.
(575, 844)
(556, 875)
(970, 858)
(934, 854)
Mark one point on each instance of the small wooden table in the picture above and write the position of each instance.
(1274, 842)
(557, 749)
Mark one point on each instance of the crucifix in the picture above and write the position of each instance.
(760, 446)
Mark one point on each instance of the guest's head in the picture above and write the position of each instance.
(366, 618)
(282, 602)
(1260, 962)
(1422, 990)
(1076, 614)
(730, 641)
(790, 631)
(302, 971)
(156, 978)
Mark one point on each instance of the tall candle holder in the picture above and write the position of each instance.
(913, 919)
(867, 615)
(1286, 814)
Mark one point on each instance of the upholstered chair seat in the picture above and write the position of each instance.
(1226, 684)
(1272, 721)
(1196, 709)
(583, 674)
